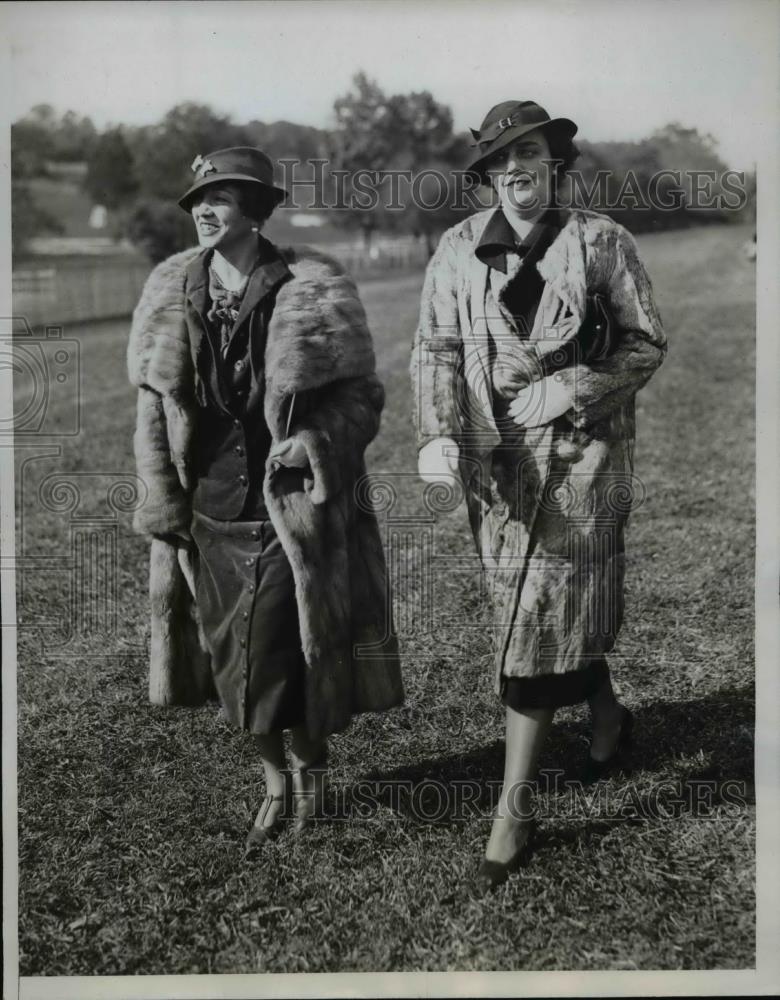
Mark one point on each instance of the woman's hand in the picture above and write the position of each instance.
(509, 379)
(290, 453)
(540, 403)
(438, 461)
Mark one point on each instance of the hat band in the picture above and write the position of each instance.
(509, 121)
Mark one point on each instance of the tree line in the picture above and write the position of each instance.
(137, 172)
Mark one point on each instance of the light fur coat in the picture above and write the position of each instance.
(318, 352)
(547, 514)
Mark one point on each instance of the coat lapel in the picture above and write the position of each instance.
(563, 268)
(262, 281)
(476, 340)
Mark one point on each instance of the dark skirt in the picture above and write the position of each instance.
(246, 599)
(554, 690)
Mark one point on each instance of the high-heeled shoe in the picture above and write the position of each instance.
(259, 833)
(491, 874)
(309, 802)
(595, 770)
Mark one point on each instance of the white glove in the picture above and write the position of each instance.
(290, 453)
(434, 466)
(540, 402)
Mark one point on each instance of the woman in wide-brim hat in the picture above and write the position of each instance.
(257, 398)
(537, 328)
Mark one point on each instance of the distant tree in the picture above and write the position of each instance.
(427, 147)
(45, 136)
(299, 143)
(43, 115)
(651, 184)
(363, 141)
(282, 138)
(679, 147)
(110, 179)
(158, 228)
(615, 178)
(163, 153)
(28, 219)
(425, 126)
(404, 132)
(74, 138)
(29, 149)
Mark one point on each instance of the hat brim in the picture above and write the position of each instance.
(564, 126)
(185, 201)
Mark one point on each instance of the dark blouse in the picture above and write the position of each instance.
(522, 294)
(232, 436)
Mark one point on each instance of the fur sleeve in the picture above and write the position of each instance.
(166, 508)
(336, 431)
(321, 354)
(159, 364)
(598, 388)
(436, 364)
(157, 347)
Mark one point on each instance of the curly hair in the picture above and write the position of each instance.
(257, 203)
(564, 151)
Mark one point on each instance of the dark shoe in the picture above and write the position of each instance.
(261, 834)
(309, 800)
(595, 770)
(491, 874)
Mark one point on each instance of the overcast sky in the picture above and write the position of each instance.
(619, 68)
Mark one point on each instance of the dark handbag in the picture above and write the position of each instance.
(594, 342)
(597, 334)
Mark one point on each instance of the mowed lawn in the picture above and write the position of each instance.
(132, 818)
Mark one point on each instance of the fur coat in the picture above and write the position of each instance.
(547, 513)
(319, 354)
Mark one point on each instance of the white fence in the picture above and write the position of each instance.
(107, 289)
(383, 255)
(55, 295)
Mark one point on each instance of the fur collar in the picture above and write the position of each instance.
(317, 334)
(571, 265)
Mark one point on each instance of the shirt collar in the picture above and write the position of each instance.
(270, 271)
(498, 238)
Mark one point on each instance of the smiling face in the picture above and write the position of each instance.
(219, 218)
(522, 175)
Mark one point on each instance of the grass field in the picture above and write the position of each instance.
(132, 819)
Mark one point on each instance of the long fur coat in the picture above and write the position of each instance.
(319, 354)
(547, 512)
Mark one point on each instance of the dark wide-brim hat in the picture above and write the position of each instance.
(239, 163)
(508, 121)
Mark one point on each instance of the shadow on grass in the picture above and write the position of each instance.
(688, 758)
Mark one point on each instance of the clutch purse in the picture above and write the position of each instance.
(595, 339)
(596, 336)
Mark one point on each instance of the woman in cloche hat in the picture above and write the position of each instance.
(257, 396)
(537, 328)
